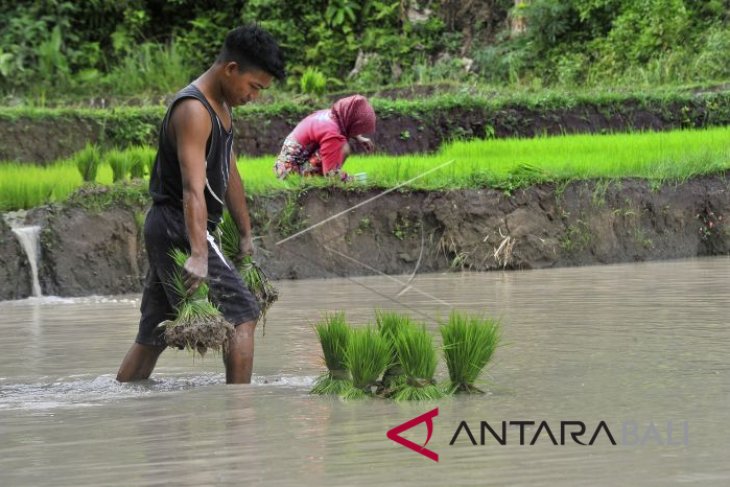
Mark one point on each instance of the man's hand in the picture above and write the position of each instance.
(365, 144)
(246, 247)
(196, 271)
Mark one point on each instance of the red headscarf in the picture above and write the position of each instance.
(354, 115)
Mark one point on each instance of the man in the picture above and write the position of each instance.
(195, 171)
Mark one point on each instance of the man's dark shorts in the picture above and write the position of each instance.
(164, 230)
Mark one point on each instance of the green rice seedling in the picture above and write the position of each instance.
(334, 336)
(119, 161)
(199, 325)
(366, 358)
(390, 325)
(24, 186)
(505, 164)
(141, 161)
(229, 236)
(253, 276)
(87, 162)
(260, 285)
(468, 344)
(418, 358)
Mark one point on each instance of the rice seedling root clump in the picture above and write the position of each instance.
(199, 334)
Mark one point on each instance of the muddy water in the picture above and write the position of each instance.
(642, 347)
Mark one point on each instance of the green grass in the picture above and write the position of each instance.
(506, 164)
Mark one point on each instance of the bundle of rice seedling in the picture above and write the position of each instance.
(468, 344)
(253, 276)
(418, 359)
(390, 325)
(366, 358)
(334, 336)
(199, 325)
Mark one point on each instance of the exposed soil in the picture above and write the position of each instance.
(44, 140)
(581, 223)
(85, 252)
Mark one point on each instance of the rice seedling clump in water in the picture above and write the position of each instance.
(468, 343)
(366, 358)
(390, 325)
(199, 325)
(418, 359)
(334, 336)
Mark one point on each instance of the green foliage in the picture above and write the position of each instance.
(150, 67)
(97, 197)
(87, 162)
(609, 42)
(125, 127)
(468, 344)
(313, 82)
(144, 47)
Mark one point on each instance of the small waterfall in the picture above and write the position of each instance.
(28, 237)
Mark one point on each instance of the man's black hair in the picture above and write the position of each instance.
(251, 46)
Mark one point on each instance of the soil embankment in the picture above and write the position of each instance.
(44, 136)
(593, 222)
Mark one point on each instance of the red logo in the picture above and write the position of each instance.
(394, 434)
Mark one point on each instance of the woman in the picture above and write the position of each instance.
(318, 145)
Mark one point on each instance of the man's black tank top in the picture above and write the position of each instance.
(166, 179)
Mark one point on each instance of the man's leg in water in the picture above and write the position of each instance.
(239, 357)
(139, 362)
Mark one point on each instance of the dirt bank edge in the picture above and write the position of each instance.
(100, 250)
(41, 136)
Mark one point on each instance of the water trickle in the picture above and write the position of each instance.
(28, 238)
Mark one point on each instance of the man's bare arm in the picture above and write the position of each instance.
(191, 127)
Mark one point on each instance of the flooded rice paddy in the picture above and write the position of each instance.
(642, 347)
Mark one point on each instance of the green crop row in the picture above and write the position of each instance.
(505, 164)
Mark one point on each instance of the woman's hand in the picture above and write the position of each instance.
(365, 144)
